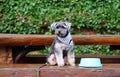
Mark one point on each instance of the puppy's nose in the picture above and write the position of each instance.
(59, 32)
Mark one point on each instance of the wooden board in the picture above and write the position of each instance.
(108, 70)
(33, 40)
(39, 70)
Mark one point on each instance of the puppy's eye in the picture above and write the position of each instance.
(63, 27)
(60, 27)
(57, 27)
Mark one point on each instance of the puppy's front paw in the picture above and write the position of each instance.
(73, 64)
(52, 60)
(72, 61)
(61, 63)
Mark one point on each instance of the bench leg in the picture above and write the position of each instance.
(6, 55)
(20, 52)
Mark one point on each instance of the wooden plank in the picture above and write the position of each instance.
(97, 39)
(21, 65)
(39, 70)
(108, 70)
(34, 40)
(20, 39)
(21, 70)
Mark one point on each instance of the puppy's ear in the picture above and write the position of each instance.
(53, 26)
(68, 24)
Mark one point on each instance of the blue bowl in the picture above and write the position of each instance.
(90, 62)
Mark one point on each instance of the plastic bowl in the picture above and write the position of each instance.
(90, 62)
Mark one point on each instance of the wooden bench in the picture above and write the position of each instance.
(11, 44)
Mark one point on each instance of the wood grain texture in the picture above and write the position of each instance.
(34, 40)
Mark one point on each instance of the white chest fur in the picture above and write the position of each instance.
(67, 40)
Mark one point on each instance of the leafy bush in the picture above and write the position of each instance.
(88, 50)
(93, 49)
(35, 16)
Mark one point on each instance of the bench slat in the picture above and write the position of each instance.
(34, 40)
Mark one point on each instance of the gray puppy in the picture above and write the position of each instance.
(62, 48)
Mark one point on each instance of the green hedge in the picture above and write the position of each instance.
(88, 50)
(35, 16)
